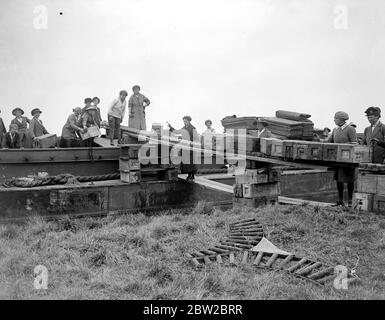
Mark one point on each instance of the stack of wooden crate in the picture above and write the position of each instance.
(370, 192)
(309, 150)
(256, 187)
(129, 164)
(241, 134)
(153, 160)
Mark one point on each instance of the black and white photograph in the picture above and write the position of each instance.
(192, 155)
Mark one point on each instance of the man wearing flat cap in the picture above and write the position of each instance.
(36, 127)
(374, 135)
(136, 107)
(343, 133)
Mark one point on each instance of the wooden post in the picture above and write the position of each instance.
(245, 256)
(271, 260)
(258, 258)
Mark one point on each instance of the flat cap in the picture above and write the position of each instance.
(373, 111)
(341, 115)
(188, 118)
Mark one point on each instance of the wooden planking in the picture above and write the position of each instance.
(210, 184)
(287, 200)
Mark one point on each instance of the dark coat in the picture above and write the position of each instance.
(37, 128)
(192, 133)
(379, 149)
(11, 143)
(3, 131)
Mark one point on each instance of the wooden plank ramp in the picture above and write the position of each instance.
(294, 201)
(210, 184)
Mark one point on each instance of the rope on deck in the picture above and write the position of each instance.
(53, 180)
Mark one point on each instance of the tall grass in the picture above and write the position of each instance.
(140, 256)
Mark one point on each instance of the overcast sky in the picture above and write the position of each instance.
(206, 59)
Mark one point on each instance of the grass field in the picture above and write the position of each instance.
(142, 257)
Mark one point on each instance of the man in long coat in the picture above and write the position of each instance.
(344, 133)
(374, 135)
(136, 106)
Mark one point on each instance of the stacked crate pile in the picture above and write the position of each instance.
(256, 187)
(370, 191)
(241, 134)
(291, 125)
(129, 164)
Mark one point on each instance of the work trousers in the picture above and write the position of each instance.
(114, 124)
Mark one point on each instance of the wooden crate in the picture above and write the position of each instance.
(92, 132)
(274, 175)
(307, 150)
(380, 187)
(47, 140)
(379, 204)
(127, 164)
(172, 174)
(329, 152)
(266, 145)
(130, 176)
(250, 190)
(367, 183)
(130, 150)
(252, 176)
(252, 144)
(287, 151)
(363, 201)
(353, 153)
(238, 190)
(276, 148)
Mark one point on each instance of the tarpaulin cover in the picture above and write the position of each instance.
(239, 123)
(291, 115)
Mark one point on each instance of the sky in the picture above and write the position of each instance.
(203, 58)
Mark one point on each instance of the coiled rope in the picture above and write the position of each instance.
(53, 180)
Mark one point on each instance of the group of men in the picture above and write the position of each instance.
(89, 116)
(24, 132)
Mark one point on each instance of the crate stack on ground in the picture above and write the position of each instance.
(370, 191)
(129, 164)
(257, 187)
